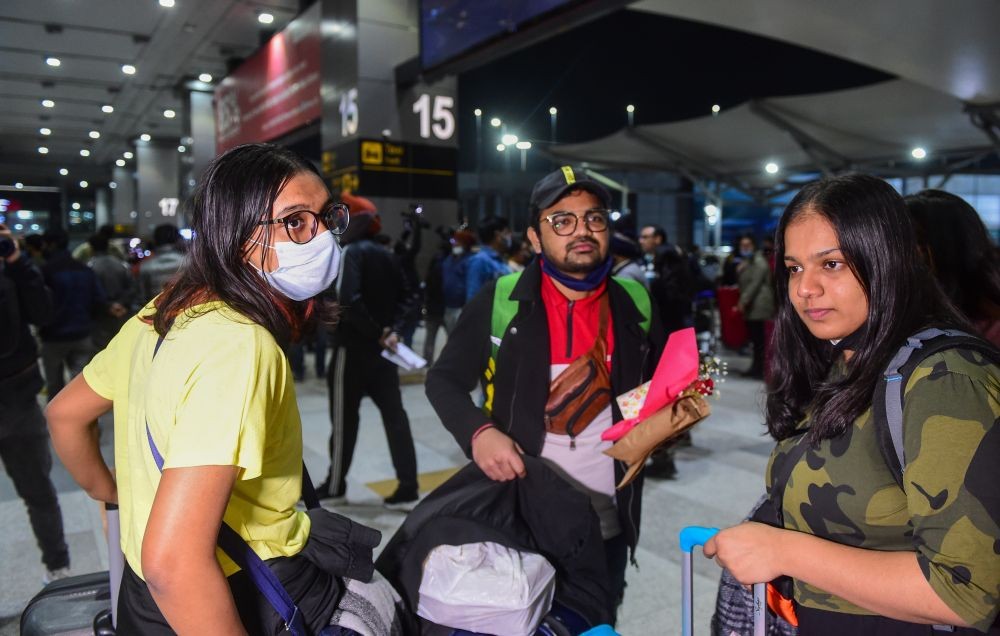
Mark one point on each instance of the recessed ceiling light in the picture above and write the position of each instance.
(48, 103)
(553, 110)
(94, 134)
(63, 171)
(265, 18)
(120, 163)
(128, 69)
(108, 108)
(145, 137)
(181, 149)
(167, 3)
(918, 153)
(84, 153)
(53, 61)
(75, 206)
(771, 167)
(716, 108)
(478, 112)
(128, 154)
(630, 108)
(84, 184)
(45, 131)
(42, 150)
(205, 77)
(169, 113)
(112, 185)
(495, 122)
(18, 185)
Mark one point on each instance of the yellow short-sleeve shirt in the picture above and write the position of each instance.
(219, 393)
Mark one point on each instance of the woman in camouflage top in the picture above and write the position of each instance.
(867, 556)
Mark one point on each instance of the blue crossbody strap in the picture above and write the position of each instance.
(237, 549)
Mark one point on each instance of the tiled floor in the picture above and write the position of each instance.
(720, 477)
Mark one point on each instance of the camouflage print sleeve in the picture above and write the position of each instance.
(952, 480)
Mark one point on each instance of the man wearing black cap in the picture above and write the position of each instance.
(526, 334)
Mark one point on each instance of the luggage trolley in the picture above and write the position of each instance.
(697, 535)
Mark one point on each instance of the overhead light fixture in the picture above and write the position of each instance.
(18, 185)
(128, 154)
(181, 149)
(616, 215)
(553, 110)
(711, 210)
(918, 153)
(205, 77)
(108, 108)
(509, 139)
(716, 108)
(112, 185)
(478, 112)
(169, 113)
(75, 206)
(630, 108)
(120, 163)
(42, 150)
(495, 122)
(501, 147)
(48, 103)
(771, 167)
(53, 61)
(93, 134)
(523, 145)
(167, 3)
(45, 131)
(84, 152)
(84, 184)
(63, 171)
(128, 69)
(145, 137)
(265, 18)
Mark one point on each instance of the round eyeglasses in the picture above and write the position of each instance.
(302, 225)
(564, 223)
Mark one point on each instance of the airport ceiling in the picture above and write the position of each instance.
(92, 41)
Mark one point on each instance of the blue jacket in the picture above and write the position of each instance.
(484, 266)
(77, 294)
(453, 271)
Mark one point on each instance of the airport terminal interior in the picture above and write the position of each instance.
(693, 123)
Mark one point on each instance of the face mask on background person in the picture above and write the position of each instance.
(746, 253)
(304, 269)
(458, 250)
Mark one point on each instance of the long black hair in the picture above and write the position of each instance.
(963, 258)
(875, 235)
(237, 191)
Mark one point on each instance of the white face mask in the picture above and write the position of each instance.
(458, 250)
(304, 270)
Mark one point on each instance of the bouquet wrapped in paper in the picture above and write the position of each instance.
(663, 408)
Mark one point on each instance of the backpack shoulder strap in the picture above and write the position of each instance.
(503, 312)
(887, 408)
(641, 299)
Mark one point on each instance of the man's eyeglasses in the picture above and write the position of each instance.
(302, 225)
(564, 223)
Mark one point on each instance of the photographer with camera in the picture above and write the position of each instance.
(24, 443)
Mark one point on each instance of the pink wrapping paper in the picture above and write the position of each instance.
(675, 371)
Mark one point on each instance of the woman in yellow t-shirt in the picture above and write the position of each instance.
(218, 402)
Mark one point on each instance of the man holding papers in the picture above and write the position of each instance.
(374, 304)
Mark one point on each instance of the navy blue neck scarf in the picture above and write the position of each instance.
(591, 282)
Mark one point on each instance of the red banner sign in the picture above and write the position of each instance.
(276, 90)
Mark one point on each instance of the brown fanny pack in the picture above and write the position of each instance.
(583, 389)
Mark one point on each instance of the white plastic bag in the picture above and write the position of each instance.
(486, 588)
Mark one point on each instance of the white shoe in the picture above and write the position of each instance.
(55, 575)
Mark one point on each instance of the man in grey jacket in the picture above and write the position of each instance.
(167, 258)
(756, 299)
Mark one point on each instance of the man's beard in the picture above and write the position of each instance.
(563, 263)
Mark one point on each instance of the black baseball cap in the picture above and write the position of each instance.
(555, 185)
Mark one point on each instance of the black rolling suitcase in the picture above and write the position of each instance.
(79, 605)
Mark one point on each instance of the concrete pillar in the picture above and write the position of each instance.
(201, 133)
(123, 199)
(102, 207)
(158, 185)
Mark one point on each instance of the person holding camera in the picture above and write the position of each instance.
(24, 443)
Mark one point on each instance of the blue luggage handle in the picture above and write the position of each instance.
(698, 535)
(695, 535)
